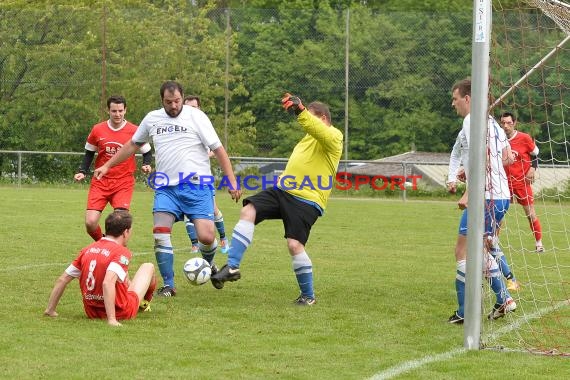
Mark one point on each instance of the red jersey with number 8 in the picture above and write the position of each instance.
(90, 267)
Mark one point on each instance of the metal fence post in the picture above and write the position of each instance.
(19, 169)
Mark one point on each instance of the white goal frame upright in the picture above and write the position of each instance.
(480, 109)
(482, 21)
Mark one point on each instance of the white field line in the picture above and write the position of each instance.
(393, 371)
(414, 364)
(417, 363)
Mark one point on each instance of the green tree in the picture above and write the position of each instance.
(44, 106)
(240, 57)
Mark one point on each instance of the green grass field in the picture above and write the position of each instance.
(384, 279)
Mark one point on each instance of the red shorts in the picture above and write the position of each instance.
(129, 311)
(116, 191)
(523, 194)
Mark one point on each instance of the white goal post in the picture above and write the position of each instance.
(528, 70)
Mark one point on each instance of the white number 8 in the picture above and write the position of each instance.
(90, 282)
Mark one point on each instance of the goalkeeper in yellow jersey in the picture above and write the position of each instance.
(298, 198)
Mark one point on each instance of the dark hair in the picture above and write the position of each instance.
(320, 109)
(509, 114)
(117, 222)
(116, 99)
(171, 86)
(193, 97)
(463, 86)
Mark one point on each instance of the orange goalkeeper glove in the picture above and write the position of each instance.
(292, 104)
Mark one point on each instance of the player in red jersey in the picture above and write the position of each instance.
(105, 139)
(521, 173)
(102, 270)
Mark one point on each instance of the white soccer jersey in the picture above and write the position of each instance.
(460, 152)
(496, 184)
(180, 143)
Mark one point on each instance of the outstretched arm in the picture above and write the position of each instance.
(226, 166)
(328, 138)
(56, 293)
(147, 158)
(125, 152)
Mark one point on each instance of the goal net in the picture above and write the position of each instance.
(530, 77)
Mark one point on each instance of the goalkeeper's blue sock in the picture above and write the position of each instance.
(460, 287)
(303, 268)
(241, 239)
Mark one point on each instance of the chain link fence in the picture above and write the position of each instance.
(386, 76)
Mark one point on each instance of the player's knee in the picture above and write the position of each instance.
(161, 230)
(461, 247)
(248, 212)
(162, 236)
(91, 225)
(148, 267)
(207, 238)
(294, 246)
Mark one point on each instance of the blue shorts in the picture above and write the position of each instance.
(195, 203)
(495, 210)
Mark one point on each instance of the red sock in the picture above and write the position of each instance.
(151, 288)
(536, 229)
(97, 234)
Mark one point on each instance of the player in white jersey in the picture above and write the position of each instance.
(497, 198)
(183, 180)
(194, 101)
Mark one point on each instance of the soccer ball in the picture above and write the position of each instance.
(197, 271)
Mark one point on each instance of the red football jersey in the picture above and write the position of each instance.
(106, 141)
(91, 265)
(521, 145)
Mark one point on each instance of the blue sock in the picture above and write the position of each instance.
(460, 290)
(191, 230)
(219, 222)
(496, 281)
(165, 263)
(499, 288)
(303, 268)
(460, 287)
(208, 251)
(241, 239)
(164, 254)
(502, 261)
